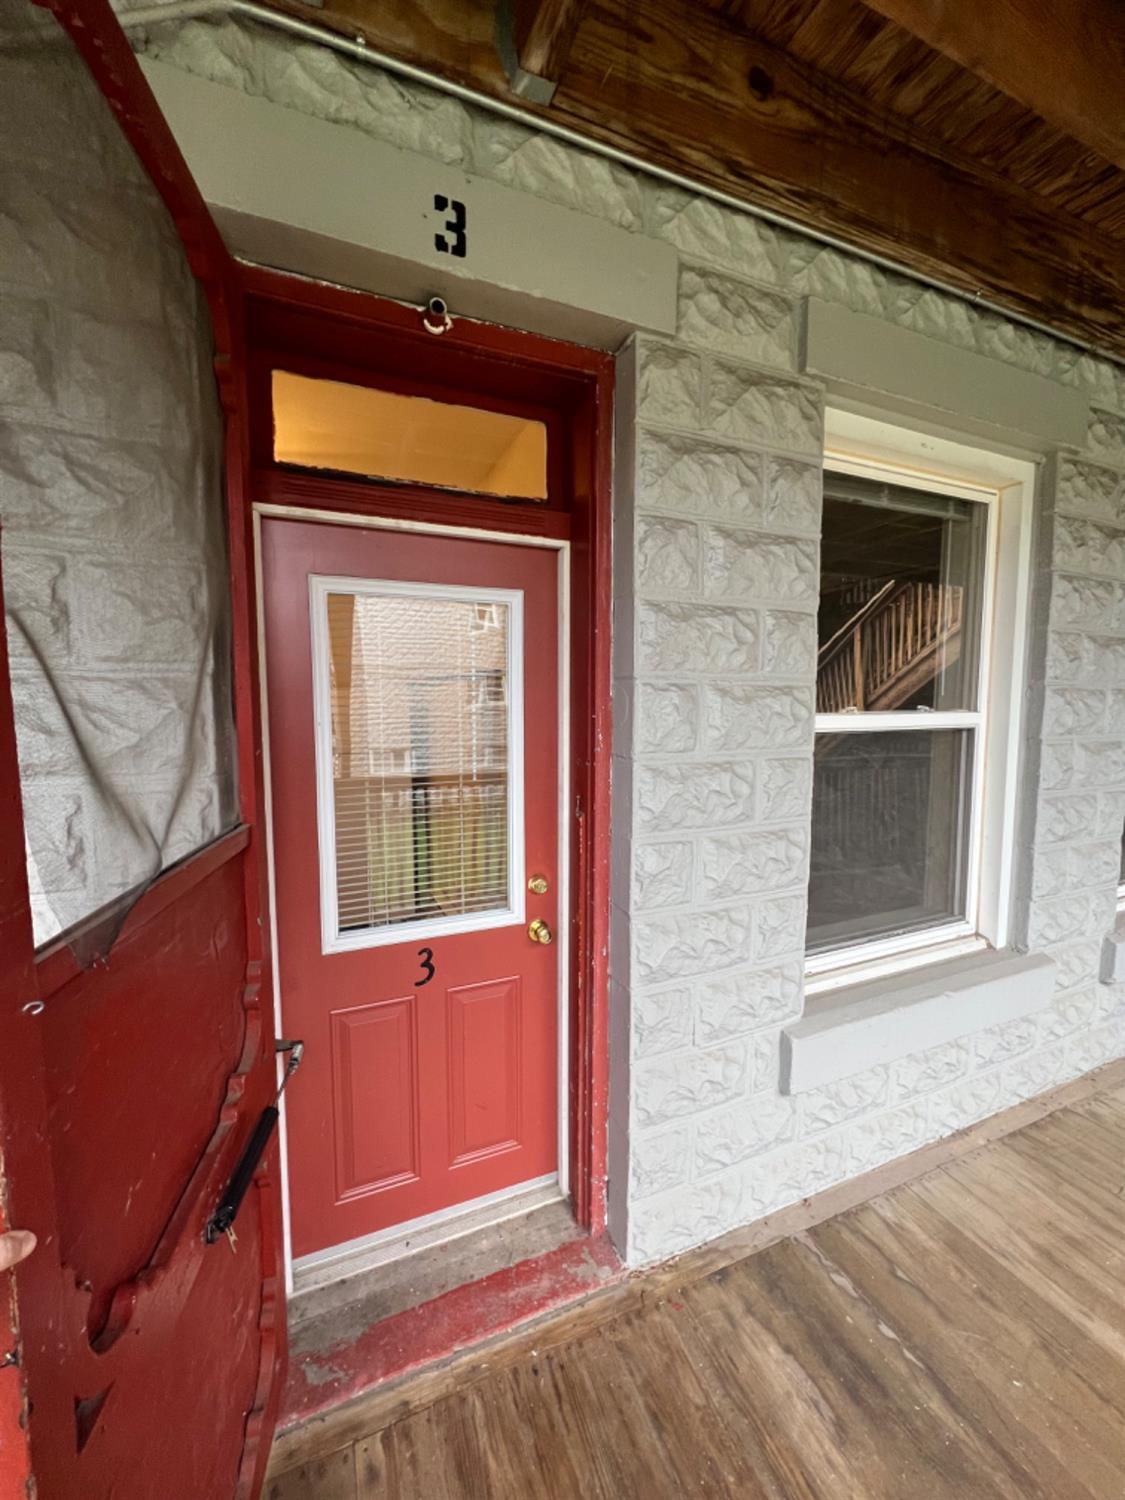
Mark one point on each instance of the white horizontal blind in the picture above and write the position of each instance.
(420, 719)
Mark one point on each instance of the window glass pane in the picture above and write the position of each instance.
(890, 810)
(900, 598)
(419, 698)
(351, 429)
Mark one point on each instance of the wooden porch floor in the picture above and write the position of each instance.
(960, 1336)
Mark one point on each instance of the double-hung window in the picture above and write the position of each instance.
(912, 775)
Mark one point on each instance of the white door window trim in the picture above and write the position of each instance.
(877, 450)
(333, 940)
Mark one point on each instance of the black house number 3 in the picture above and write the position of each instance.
(426, 965)
(451, 237)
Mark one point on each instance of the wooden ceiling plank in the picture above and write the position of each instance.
(1063, 59)
(900, 73)
(778, 21)
(1007, 136)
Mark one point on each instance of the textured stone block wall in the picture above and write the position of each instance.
(1076, 764)
(715, 701)
(111, 502)
(717, 519)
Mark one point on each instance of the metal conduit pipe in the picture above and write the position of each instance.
(357, 48)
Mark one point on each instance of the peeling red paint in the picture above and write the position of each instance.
(461, 1318)
(15, 1459)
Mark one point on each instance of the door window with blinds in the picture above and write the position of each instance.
(900, 721)
(419, 730)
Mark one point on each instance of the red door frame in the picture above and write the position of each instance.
(316, 329)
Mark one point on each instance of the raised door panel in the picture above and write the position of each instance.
(484, 1069)
(375, 1096)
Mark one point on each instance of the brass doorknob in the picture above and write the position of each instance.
(539, 932)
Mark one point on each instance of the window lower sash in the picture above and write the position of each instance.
(835, 968)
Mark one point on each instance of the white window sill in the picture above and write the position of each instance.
(881, 1020)
(884, 961)
(1113, 952)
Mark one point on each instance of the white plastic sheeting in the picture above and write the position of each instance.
(110, 499)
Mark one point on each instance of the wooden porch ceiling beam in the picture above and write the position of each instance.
(533, 41)
(683, 87)
(1064, 59)
(544, 32)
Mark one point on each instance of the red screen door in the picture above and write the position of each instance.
(413, 720)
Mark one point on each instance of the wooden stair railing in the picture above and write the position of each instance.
(890, 648)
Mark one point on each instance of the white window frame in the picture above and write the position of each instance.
(875, 449)
(514, 910)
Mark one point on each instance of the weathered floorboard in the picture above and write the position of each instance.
(328, 1478)
(962, 1335)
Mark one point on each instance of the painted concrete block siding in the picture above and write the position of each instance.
(717, 523)
(110, 496)
(716, 614)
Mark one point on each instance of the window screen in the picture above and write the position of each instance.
(420, 690)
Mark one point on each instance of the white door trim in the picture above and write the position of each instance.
(262, 510)
(514, 910)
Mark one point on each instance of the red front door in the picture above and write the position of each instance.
(413, 694)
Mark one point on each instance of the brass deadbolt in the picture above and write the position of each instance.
(538, 885)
